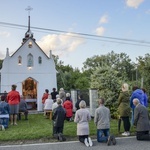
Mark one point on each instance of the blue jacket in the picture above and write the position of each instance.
(139, 94)
(4, 108)
(145, 100)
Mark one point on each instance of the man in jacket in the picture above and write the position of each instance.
(141, 121)
(139, 94)
(58, 120)
(4, 113)
(102, 121)
(23, 108)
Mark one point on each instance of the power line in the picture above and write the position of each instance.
(87, 36)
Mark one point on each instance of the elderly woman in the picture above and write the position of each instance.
(82, 118)
(124, 108)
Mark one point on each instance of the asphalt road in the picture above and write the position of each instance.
(127, 143)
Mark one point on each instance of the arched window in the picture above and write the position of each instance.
(40, 59)
(30, 60)
(19, 60)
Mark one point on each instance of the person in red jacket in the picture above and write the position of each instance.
(13, 98)
(45, 96)
(68, 107)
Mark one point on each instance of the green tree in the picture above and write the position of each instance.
(144, 70)
(1, 62)
(106, 80)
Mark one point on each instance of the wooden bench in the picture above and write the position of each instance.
(48, 112)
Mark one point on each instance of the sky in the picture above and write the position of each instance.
(92, 27)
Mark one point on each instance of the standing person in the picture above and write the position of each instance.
(69, 108)
(13, 98)
(62, 94)
(124, 108)
(45, 95)
(58, 120)
(80, 98)
(23, 108)
(102, 121)
(48, 105)
(82, 118)
(139, 94)
(4, 113)
(53, 94)
(145, 98)
(141, 121)
(55, 103)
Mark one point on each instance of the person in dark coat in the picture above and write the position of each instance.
(80, 98)
(53, 94)
(141, 121)
(58, 120)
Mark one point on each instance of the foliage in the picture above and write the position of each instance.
(1, 62)
(70, 78)
(144, 70)
(106, 80)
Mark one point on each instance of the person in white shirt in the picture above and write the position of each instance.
(48, 105)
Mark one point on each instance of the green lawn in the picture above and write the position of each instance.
(37, 127)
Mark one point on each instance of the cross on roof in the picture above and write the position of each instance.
(29, 9)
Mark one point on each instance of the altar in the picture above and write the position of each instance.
(31, 103)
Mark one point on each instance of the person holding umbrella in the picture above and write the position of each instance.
(124, 109)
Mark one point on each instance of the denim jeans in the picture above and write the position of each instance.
(4, 122)
(102, 135)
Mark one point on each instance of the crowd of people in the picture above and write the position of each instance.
(61, 105)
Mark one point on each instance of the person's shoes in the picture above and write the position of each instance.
(2, 128)
(15, 124)
(90, 142)
(126, 134)
(113, 140)
(109, 140)
(86, 142)
(60, 137)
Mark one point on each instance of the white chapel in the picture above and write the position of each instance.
(30, 69)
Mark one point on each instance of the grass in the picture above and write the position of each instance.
(37, 127)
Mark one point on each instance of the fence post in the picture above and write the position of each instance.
(74, 98)
(93, 93)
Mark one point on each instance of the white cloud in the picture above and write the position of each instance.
(60, 44)
(134, 3)
(4, 34)
(100, 31)
(103, 19)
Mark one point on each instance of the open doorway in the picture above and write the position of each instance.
(29, 91)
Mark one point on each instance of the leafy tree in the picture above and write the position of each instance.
(144, 71)
(106, 80)
(1, 61)
(70, 78)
